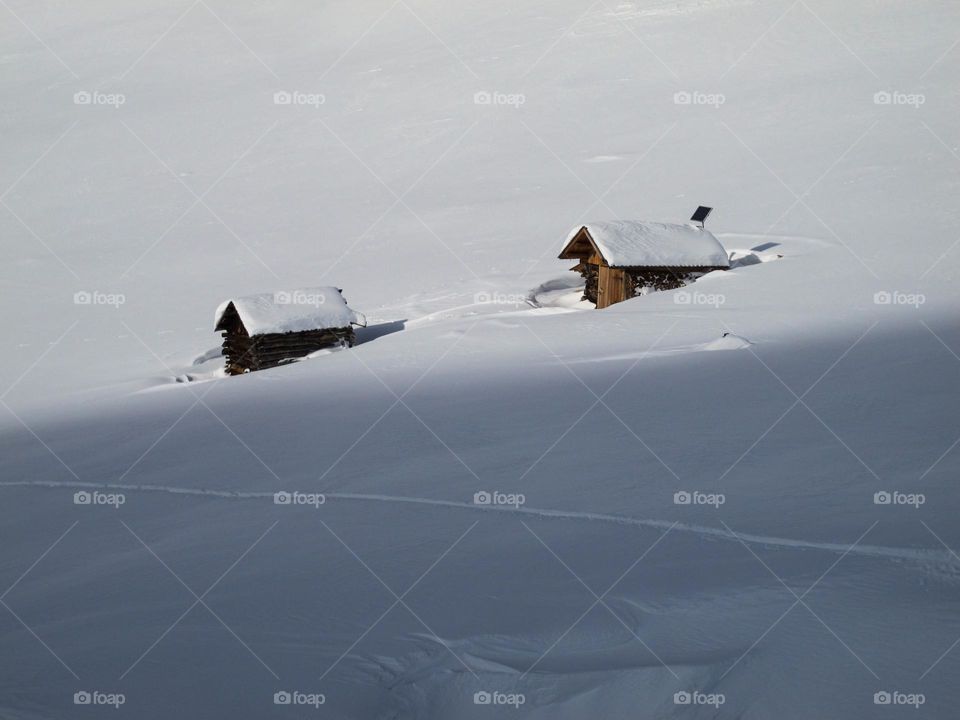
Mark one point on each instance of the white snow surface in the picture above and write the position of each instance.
(633, 243)
(425, 188)
(283, 311)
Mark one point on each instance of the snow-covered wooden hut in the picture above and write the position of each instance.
(269, 329)
(622, 259)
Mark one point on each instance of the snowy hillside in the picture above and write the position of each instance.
(733, 500)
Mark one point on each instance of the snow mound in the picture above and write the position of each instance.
(744, 258)
(563, 293)
(729, 341)
(631, 243)
(317, 308)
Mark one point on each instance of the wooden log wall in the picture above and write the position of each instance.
(607, 286)
(244, 353)
(590, 273)
(663, 278)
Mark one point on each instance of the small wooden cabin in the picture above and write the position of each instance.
(619, 260)
(269, 329)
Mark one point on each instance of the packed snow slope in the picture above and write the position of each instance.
(500, 503)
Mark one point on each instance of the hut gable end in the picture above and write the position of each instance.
(229, 320)
(619, 260)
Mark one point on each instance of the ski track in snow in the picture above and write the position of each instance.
(874, 551)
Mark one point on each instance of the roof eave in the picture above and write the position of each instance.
(670, 267)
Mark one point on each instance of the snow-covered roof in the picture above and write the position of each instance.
(317, 308)
(631, 243)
